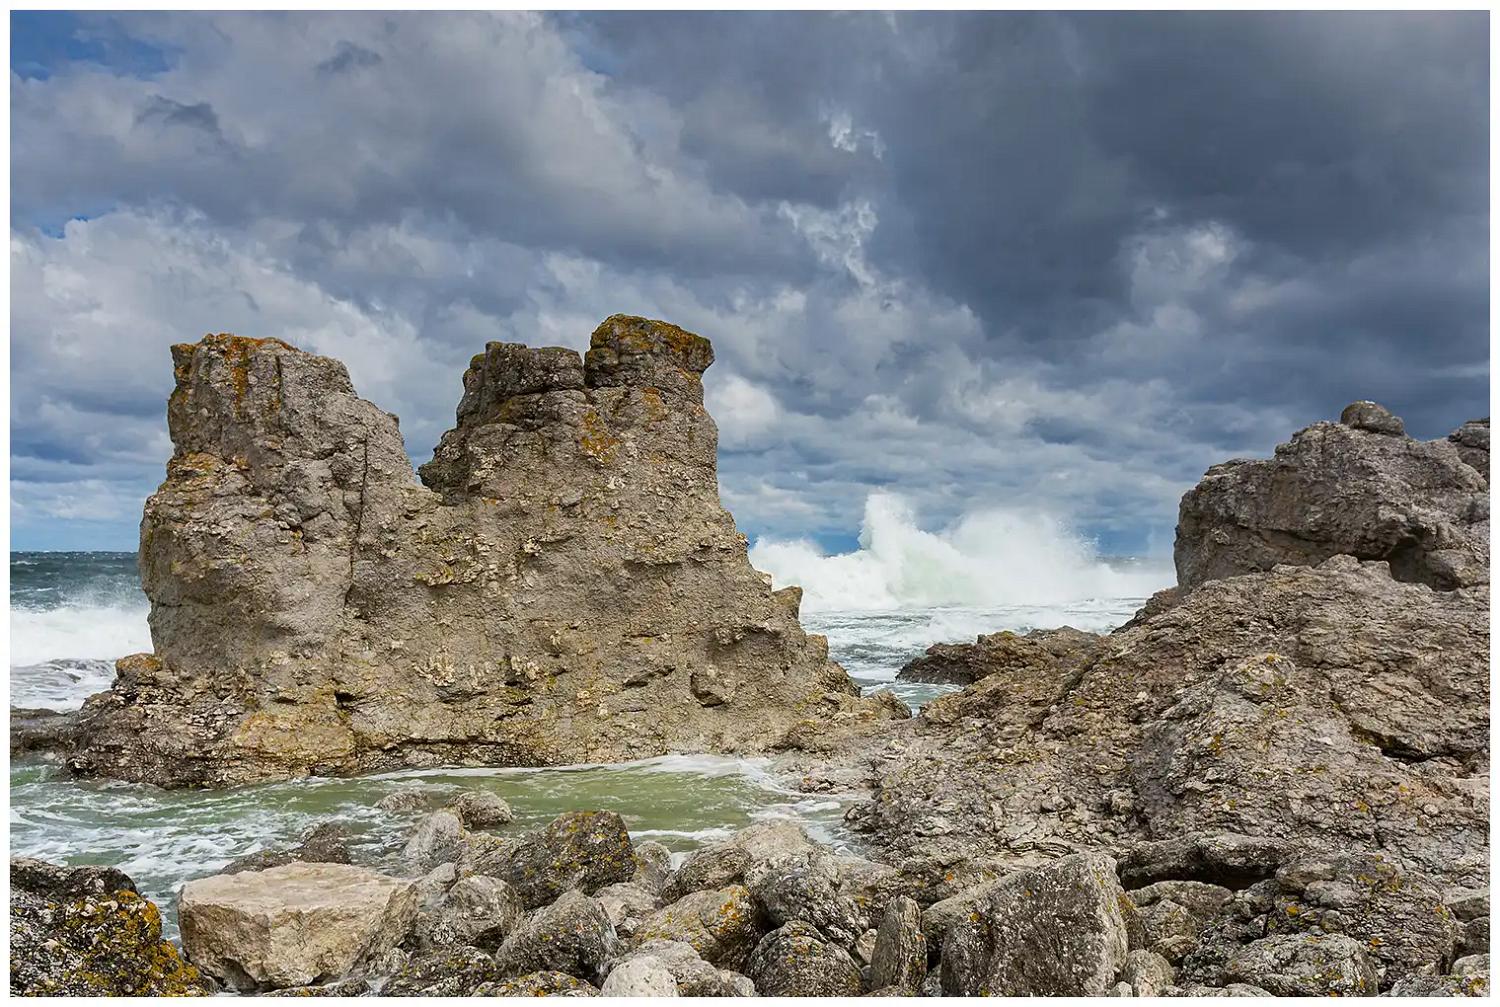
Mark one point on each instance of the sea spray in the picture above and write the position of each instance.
(988, 559)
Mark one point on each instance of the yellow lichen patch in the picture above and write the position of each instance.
(596, 440)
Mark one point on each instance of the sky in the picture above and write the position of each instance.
(1058, 264)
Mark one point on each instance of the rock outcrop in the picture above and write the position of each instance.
(85, 931)
(562, 586)
(1359, 487)
(964, 664)
(1287, 753)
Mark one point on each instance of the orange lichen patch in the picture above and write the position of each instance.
(596, 440)
(656, 409)
(647, 335)
(237, 351)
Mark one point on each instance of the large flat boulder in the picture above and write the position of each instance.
(561, 586)
(295, 925)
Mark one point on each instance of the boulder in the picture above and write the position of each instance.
(653, 866)
(628, 905)
(725, 863)
(1372, 416)
(476, 911)
(795, 961)
(578, 851)
(480, 809)
(450, 971)
(1056, 930)
(326, 843)
(561, 586)
(437, 839)
(404, 800)
(641, 976)
(899, 958)
(721, 926)
(1147, 974)
(1359, 487)
(1305, 965)
(295, 925)
(694, 976)
(546, 983)
(572, 935)
(1401, 920)
(77, 932)
(836, 894)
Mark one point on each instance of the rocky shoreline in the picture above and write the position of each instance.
(1272, 781)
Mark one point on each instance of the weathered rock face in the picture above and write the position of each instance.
(1331, 706)
(1359, 487)
(293, 925)
(562, 586)
(84, 931)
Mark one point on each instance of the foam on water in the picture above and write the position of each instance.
(989, 559)
(905, 588)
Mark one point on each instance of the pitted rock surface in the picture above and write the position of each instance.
(562, 586)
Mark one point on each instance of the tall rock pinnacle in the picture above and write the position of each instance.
(561, 586)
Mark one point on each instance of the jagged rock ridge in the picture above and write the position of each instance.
(1359, 487)
(562, 586)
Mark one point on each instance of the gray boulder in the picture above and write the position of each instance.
(450, 971)
(326, 843)
(477, 911)
(726, 863)
(721, 926)
(628, 905)
(795, 961)
(77, 932)
(1056, 930)
(480, 809)
(694, 976)
(640, 976)
(899, 958)
(572, 935)
(437, 839)
(539, 984)
(578, 851)
(295, 925)
(1305, 965)
(653, 866)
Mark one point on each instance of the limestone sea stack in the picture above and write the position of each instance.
(561, 585)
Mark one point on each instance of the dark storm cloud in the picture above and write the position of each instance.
(1058, 261)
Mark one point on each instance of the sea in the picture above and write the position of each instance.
(73, 613)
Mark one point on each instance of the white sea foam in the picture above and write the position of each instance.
(87, 631)
(988, 559)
